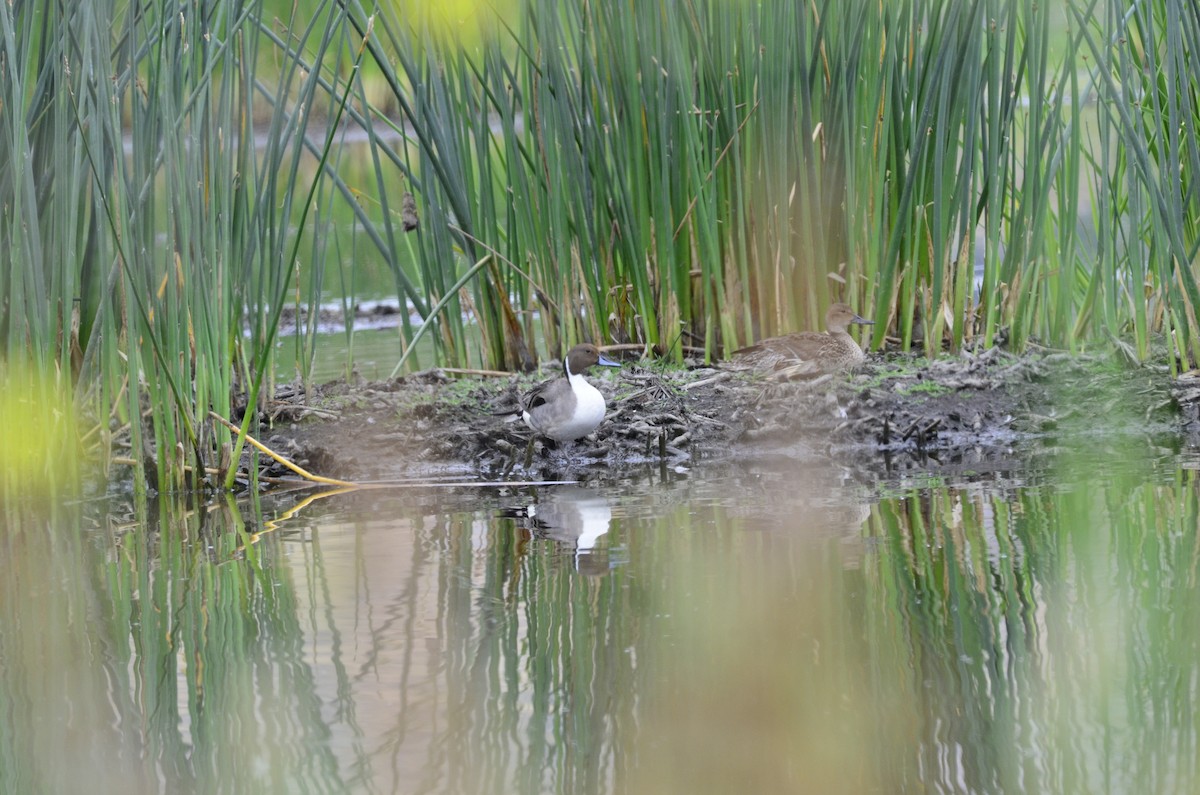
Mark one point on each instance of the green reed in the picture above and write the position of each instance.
(151, 224)
(686, 175)
(706, 173)
(1146, 156)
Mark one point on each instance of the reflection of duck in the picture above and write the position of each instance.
(810, 351)
(575, 518)
(567, 408)
(818, 500)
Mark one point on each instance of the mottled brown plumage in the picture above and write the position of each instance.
(809, 352)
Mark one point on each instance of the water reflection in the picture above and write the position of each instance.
(573, 517)
(1045, 640)
(157, 659)
(767, 630)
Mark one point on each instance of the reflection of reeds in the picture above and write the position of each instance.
(991, 638)
(1029, 629)
(157, 648)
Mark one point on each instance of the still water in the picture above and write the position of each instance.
(752, 628)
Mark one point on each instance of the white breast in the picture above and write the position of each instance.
(588, 414)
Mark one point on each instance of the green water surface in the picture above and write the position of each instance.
(745, 628)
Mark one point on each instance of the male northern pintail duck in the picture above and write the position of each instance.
(810, 351)
(567, 408)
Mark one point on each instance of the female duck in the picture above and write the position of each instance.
(810, 351)
(567, 408)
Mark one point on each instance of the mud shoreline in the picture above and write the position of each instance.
(896, 412)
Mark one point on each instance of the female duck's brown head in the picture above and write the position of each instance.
(839, 318)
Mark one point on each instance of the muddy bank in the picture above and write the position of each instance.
(895, 411)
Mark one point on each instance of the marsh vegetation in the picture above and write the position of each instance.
(684, 176)
(187, 187)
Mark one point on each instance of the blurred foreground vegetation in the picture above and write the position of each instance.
(686, 175)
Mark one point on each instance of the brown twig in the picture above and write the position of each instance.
(469, 371)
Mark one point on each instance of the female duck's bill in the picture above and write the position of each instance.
(568, 408)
